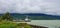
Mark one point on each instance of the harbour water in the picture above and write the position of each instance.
(46, 23)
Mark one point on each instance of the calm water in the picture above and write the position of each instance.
(46, 23)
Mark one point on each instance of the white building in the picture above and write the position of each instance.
(27, 19)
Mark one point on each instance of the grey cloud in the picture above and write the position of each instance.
(51, 7)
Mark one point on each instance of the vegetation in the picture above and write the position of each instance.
(9, 24)
(6, 21)
(35, 16)
(25, 25)
(6, 16)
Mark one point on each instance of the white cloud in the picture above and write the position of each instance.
(30, 6)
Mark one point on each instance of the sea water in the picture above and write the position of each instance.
(46, 23)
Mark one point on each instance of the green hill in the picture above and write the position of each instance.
(35, 16)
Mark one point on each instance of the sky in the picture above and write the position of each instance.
(51, 7)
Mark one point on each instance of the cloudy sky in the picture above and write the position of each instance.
(51, 7)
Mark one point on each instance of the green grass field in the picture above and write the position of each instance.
(10, 24)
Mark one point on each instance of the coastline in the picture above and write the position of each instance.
(47, 23)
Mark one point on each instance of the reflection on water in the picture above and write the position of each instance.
(47, 23)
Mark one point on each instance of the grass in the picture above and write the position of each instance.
(7, 24)
(10, 24)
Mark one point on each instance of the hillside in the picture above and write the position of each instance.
(35, 16)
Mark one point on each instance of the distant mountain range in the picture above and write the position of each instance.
(35, 16)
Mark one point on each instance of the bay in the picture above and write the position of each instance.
(46, 23)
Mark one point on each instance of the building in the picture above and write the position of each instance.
(27, 19)
(20, 20)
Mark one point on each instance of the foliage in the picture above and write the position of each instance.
(25, 25)
(9, 24)
(6, 22)
(6, 16)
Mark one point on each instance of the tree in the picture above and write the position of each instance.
(7, 16)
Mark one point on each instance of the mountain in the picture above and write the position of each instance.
(35, 16)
